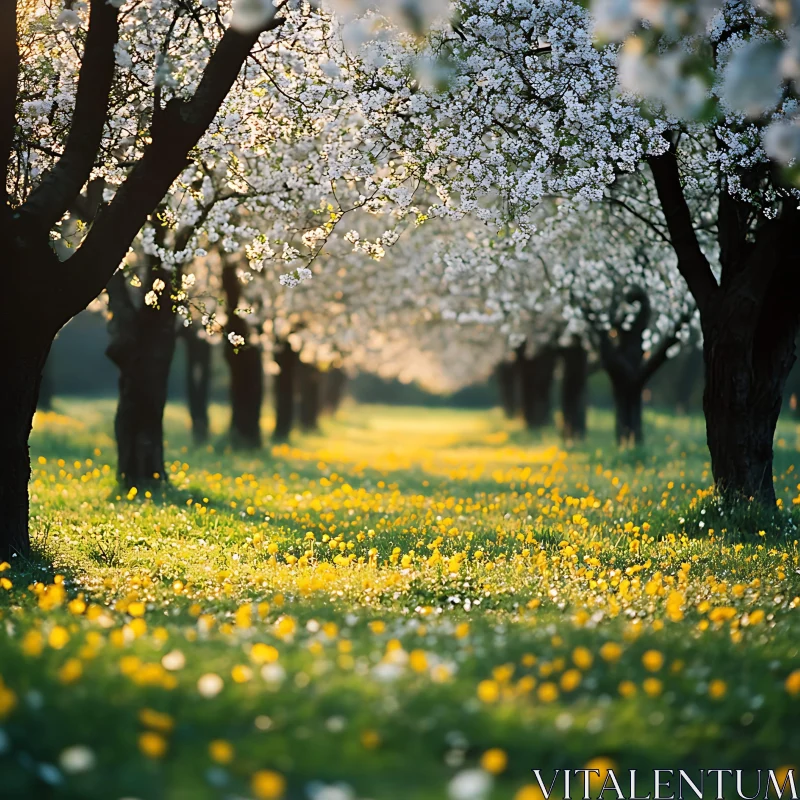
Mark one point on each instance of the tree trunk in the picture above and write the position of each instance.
(745, 378)
(142, 344)
(198, 379)
(25, 361)
(536, 383)
(246, 371)
(574, 385)
(333, 389)
(310, 387)
(284, 390)
(628, 412)
(507, 387)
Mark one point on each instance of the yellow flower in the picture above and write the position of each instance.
(793, 683)
(570, 680)
(610, 652)
(370, 739)
(220, 751)
(33, 644)
(136, 609)
(547, 692)
(157, 720)
(488, 691)
(58, 637)
(603, 766)
(494, 761)
(71, 671)
(268, 785)
(582, 658)
(153, 745)
(8, 700)
(241, 673)
(627, 688)
(653, 660)
(418, 661)
(652, 687)
(717, 689)
(262, 653)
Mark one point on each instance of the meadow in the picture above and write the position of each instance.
(413, 605)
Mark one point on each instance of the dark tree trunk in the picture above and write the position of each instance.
(574, 385)
(247, 395)
(284, 390)
(536, 384)
(310, 388)
(507, 387)
(750, 322)
(198, 380)
(333, 389)
(627, 412)
(46, 388)
(142, 344)
(746, 372)
(25, 359)
(246, 371)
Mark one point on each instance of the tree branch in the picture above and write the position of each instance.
(59, 187)
(174, 132)
(9, 77)
(692, 264)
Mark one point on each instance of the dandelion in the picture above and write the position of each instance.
(494, 761)
(268, 785)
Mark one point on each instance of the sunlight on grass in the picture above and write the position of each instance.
(410, 597)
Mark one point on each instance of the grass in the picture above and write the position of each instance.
(416, 604)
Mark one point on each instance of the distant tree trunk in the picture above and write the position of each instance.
(198, 381)
(46, 388)
(142, 344)
(22, 378)
(623, 358)
(628, 412)
(574, 385)
(333, 389)
(246, 371)
(536, 383)
(284, 391)
(506, 375)
(310, 388)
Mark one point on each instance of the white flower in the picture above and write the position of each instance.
(210, 685)
(237, 340)
(77, 758)
(250, 16)
(68, 19)
(471, 784)
(174, 660)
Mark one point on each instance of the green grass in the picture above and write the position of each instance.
(384, 604)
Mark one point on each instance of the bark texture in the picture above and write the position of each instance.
(574, 390)
(198, 383)
(310, 380)
(506, 376)
(142, 345)
(536, 385)
(284, 390)
(334, 387)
